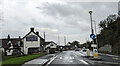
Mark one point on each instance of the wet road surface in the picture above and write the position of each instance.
(69, 58)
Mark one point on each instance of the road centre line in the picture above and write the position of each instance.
(84, 62)
(51, 60)
(81, 54)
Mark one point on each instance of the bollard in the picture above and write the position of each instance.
(88, 53)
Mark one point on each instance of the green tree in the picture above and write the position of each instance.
(75, 43)
(110, 33)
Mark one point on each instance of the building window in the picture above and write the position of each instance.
(21, 43)
(9, 44)
(51, 45)
(31, 38)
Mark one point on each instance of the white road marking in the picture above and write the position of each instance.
(67, 58)
(84, 62)
(70, 61)
(73, 58)
(60, 57)
(81, 54)
(51, 60)
(115, 58)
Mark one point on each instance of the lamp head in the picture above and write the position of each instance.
(90, 12)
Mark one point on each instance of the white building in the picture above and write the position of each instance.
(51, 47)
(32, 42)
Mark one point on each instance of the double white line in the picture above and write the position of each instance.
(51, 61)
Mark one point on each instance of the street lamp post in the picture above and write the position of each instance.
(95, 52)
(90, 12)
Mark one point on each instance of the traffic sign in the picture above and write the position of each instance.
(93, 45)
(92, 36)
(95, 53)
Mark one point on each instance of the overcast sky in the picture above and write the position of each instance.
(70, 19)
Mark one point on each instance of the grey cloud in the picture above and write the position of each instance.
(70, 19)
(61, 10)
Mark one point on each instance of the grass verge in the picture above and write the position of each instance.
(17, 61)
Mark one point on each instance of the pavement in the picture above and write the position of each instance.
(39, 61)
(110, 59)
(74, 58)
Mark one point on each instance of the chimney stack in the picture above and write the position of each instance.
(8, 37)
(19, 37)
(32, 29)
(37, 33)
(44, 35)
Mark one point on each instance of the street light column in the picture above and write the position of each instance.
(90, 12)
(92, 30)
(91, 22)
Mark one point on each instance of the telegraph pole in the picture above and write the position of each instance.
(65, 40)
(96, 34)
(58, 39)
(44, 35)
(44, 42)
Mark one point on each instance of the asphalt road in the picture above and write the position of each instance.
(73, 58)
(69, 58)
(77, 58)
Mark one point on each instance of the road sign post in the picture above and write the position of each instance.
(93, 45)
(95, 51)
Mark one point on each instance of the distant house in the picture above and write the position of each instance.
(32, 42)
(10, 45)
(51, 47)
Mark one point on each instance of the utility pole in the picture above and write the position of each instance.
(44, 42)
(58, 39)
(96, 34)
(44, 35)
(65, 40)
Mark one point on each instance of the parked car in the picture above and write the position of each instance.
(76, 49)
(84, 50)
